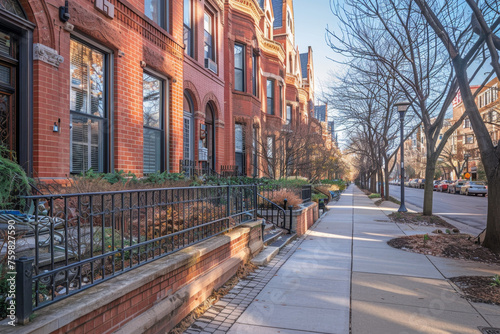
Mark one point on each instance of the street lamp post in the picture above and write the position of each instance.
(402, 107)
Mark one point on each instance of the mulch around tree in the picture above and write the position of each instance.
(478, 289)
(456, 246)
(450, 244)
(419, 219)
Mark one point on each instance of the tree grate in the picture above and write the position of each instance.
(489, 330)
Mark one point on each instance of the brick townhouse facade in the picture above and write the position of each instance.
(146, 85)
(267, 84)
(464, 142)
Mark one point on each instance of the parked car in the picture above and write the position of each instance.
(420, 184)
(474, 188)
(413, 183)
(444, 186)
(436, 184)
(454, 188)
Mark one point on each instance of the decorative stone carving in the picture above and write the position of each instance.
(46, 54)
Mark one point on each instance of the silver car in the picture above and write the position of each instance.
(474, 188)
(455, 187)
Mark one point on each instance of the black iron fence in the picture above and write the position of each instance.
(306, 193)
(80, 240)
(75, 241)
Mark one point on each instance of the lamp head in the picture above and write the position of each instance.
(402, 107)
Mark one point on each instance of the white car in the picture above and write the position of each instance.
(474, 188)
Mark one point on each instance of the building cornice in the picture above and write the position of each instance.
(272, 48)
(248, 7)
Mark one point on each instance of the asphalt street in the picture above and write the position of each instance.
(469, 210)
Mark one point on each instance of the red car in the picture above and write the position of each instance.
(443, 186)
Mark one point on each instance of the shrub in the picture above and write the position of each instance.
(317, 196)
(339, 184)
(279, 197)
(13, 181)
(374, 195)
(159, 178)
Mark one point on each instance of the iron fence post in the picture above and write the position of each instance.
(255, 202)
(228, 200)
(24, 306)
(284, 203)
(291, 218)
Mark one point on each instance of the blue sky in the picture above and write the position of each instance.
(311, 19)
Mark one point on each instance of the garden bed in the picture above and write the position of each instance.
(419, 219)
(457, 246)
(480, 289)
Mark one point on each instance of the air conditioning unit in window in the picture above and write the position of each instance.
(211, 65)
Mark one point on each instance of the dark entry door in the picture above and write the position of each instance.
(9, 122)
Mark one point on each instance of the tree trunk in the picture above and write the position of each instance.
(492, 237)
(430, 169)
(373, 182)
(381, 183)
(489, 158)
(386, 180)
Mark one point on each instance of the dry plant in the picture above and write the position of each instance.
(279, 197)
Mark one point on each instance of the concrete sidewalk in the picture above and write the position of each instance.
(342, 277)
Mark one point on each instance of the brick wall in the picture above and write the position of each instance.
(304, 218)
(178, 283)
(131, 37)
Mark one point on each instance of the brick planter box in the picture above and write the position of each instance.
(304, 217)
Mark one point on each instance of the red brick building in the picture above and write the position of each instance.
(145, 85)
(102, 90)
(265, 85)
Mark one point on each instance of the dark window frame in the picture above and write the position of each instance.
(106, 119)
(164, 20)
(467, 123)
(280, 108)
(254, 76)
(211, 47)
(288, 120)
(270, 97)
(162, 119)
(241, 87)
(242, 154)
(188, 29)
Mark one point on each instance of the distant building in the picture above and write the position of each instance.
(320, 113)
(488, 103)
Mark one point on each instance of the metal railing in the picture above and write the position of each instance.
(306, 193)
(81, 240)
(273, 213)
(192, 169)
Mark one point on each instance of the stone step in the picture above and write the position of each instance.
(269, 252)
(272, 235)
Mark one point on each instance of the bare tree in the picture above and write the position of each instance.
(364, 100)
(446, 22)
(394, 34)
(296, 149)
